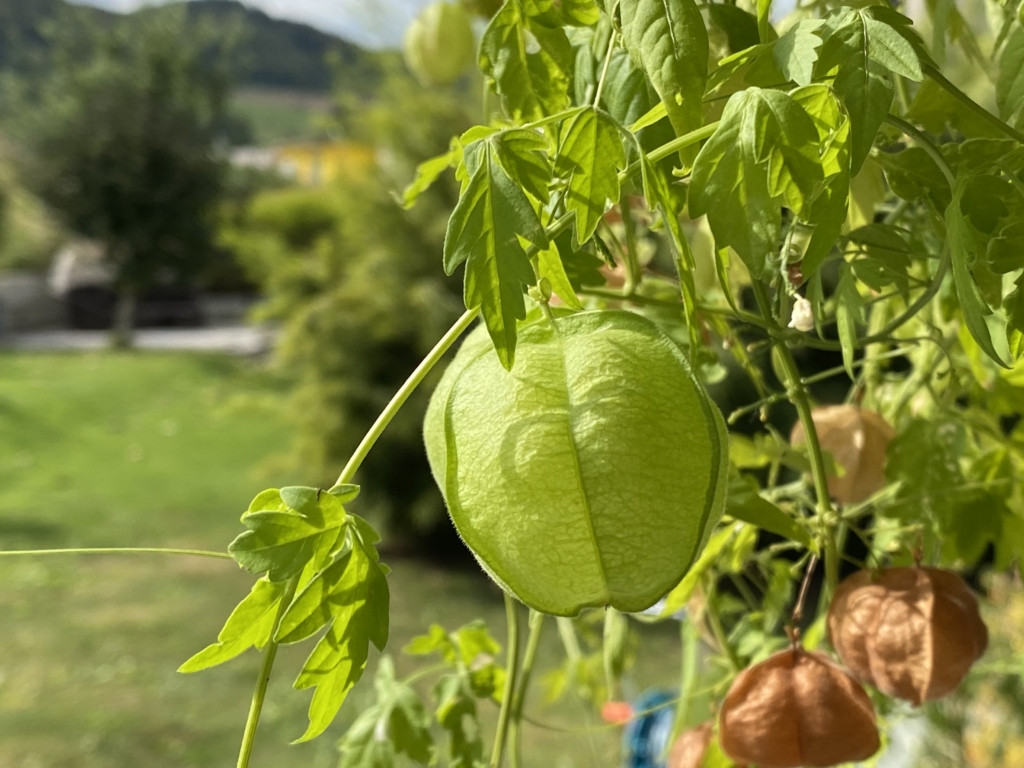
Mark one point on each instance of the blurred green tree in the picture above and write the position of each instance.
(122, 141)
(355, 281)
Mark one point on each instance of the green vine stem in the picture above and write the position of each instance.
(347, 474)
(536, 624)
(511, 673)
(800, 399)
(969, 103)
(115, 551)
(258, 695)
(393, 407)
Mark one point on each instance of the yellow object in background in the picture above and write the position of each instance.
(315, 164)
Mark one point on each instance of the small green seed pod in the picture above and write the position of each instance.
(589, 475)
(439, 44)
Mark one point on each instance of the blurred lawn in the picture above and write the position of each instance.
(166, 450)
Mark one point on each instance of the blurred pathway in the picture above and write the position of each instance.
(232, 340)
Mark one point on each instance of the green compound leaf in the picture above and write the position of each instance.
(867, 45)
(529, 64)
(471, 650)
(287, 528)
(670, 41)
(739, 26)
(427, 173)
(1010, 84)
(396, 725)
(550, 266)
(965, 251)
(764, 148)
(457, 713)
(680, 595)
(1014, 306)
(249, 626)
(746, 504)
(828, 210)
(796, 52)
(483, 231)
(523, 155)
(849, 313)
(589, 156)
(352, 596)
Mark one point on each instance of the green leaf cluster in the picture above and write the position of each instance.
(319, 570)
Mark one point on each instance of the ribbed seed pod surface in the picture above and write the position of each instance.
(857, 439)
(797, 709)
(913, 633)
(592, 473)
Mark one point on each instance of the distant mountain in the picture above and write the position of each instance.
(270, 53)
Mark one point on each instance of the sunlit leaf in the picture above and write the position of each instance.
(965, 252)
(483, 231)
(250, 625)
(764, 148)
(589, 156)
(285, 529)
(427, 173)
(669, 39)
(1010, 83)
(352, 597)
(396, 725)
(530, 64)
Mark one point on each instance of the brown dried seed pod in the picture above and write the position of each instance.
(797, 709)
(688, 750)
(913, 633)
(857, 439)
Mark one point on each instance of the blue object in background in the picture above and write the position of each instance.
(645, 741)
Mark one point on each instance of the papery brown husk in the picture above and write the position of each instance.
(797, 709)
(857, 439)
(913, 633)
(689, 748)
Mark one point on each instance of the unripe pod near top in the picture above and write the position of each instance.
(913, 633)
(857, 439)
(797, 709)
(439, 44)
(592, 473)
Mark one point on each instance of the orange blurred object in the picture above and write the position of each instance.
(616, 712)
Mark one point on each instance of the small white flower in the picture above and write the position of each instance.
(803, 315)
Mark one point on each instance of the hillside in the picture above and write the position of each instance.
(270, 53)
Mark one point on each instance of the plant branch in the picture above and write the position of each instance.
(529, 656)
(393, 407)
(511, 672)
(669, 148)
(116, 551)
(801, 400)
(926, 144)
(604, 70)
(974, 107)
(256, 708)
(715, 623)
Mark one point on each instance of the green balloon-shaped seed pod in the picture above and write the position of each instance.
(439, 44)
(592, 473)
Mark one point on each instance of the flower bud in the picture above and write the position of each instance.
(802, 317)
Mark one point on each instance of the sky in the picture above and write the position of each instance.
(372, 23)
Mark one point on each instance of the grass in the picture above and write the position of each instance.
(279, 116)
(166, 450)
